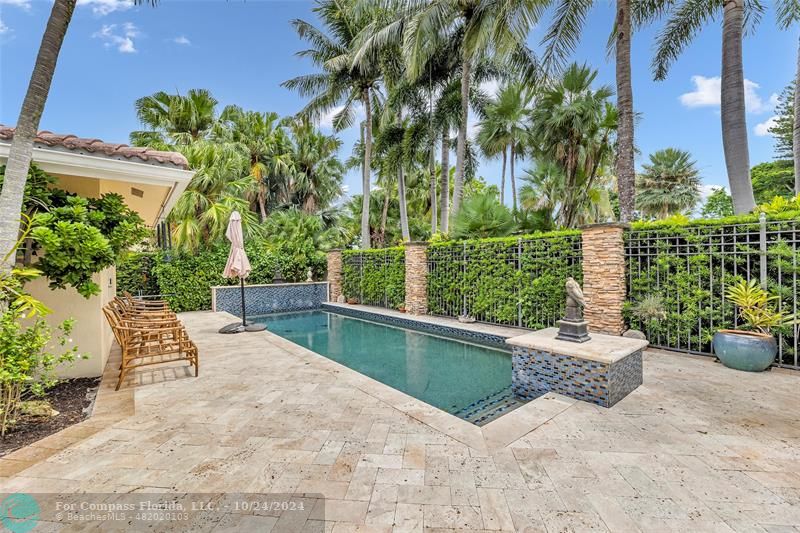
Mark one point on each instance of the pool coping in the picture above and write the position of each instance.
(497, 434)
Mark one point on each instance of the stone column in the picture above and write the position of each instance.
(604, 277)
(335, 276)
(416, 278)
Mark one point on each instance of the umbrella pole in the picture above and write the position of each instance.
(244, 320)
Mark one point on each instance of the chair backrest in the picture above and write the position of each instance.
(115, 321)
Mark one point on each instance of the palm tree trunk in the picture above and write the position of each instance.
(503, 177)
(262, 201)
(384, 216)
(401, 193)
(513, 181)
(625, 170)
(19, 157)
(796, 128)
(461, 145)
(434, 199)
(734, 124)
(444, 182)
(365, 178)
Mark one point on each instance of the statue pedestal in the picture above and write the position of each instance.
(602, 370)
(573, 330)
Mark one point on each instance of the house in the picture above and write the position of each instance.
(150, 181)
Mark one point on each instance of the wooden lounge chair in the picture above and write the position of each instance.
(147, 340)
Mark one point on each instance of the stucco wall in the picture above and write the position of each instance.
(91, 333)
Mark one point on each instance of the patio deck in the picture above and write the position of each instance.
(698, 447)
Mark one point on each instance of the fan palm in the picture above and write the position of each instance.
(21, 151)
(560, 41)
(174, 119)
(317, 173)
(685, 20)
(483, 216)
(339, 85)
(669, 184)
(505, 128)
(267, 145)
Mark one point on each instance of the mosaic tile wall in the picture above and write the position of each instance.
(535, 373)
(494, 341)
(276, 298)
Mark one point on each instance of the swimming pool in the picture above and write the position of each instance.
(470, 381)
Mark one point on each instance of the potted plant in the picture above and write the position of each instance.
(752, 349)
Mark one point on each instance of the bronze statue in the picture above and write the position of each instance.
(573, 327)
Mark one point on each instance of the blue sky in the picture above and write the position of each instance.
(242, 51)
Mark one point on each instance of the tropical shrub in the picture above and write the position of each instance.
(375, 277)
(756, 307)
(500, 280)
(773, 179)
(482, 215)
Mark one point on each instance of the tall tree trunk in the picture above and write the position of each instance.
(262, 201)
(796, 128)
(461, 145)
(513, 180)
(365, 177)
(444, 182)
(503, 177)
(384, 217)
(19, 157)
(434, 199)
(734, 124)
(625, 170)
(401, 193)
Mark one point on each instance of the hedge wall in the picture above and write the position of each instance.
(514, 281)
(688, 265)
(375, 277)
(185, 280)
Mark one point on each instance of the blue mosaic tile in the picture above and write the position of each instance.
(485, 339)
(265, 299)
(535, 373)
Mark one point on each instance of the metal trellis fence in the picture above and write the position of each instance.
(517, 282)
(376, 277)
(688, 269)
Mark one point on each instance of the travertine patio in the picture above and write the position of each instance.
(697, 448)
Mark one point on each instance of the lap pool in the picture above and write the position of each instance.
(470, 381)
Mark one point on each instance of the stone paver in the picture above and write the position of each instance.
(698, 447)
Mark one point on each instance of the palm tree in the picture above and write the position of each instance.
(573, 127)
(560, 41)
(21, 152)
(339, 85)
(669, 184)
(504, 128)
(789, 14)
(686, 19)
(317, 173)
(267, 144)
(483, 216)
(174, 119)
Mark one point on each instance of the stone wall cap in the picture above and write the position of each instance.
(416, 243)
(601, 225)
(601, 348)
(336, 250)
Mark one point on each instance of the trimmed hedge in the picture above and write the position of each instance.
(185, 280)
(375, 277)
(509, 280)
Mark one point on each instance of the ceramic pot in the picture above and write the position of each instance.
(745, 350)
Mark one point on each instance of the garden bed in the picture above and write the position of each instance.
(71, 398)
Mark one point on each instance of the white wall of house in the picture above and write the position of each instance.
(91, 333)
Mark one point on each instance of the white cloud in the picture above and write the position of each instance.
(707, 94)
(104, 7)
(762, 129)
(24, 4)
(3, 28)
(182, 39)
(119, 37)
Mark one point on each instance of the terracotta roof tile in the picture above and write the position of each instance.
(103, 149)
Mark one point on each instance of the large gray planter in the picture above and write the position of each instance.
(745, 350)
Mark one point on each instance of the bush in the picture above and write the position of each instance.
(375, 277)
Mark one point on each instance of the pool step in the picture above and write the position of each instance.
(493, 406)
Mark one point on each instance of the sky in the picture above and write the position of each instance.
(115, 52)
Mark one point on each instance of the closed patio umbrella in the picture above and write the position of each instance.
(238, 266)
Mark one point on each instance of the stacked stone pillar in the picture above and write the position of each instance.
(604, 277)
(335, 275)
(416, 278)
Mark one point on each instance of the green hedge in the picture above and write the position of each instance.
(375, 277)
(186, 279)
(512, 280)
(688, 264)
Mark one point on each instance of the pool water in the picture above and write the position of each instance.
(469, 381)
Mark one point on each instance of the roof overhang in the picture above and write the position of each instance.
(54, 161)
